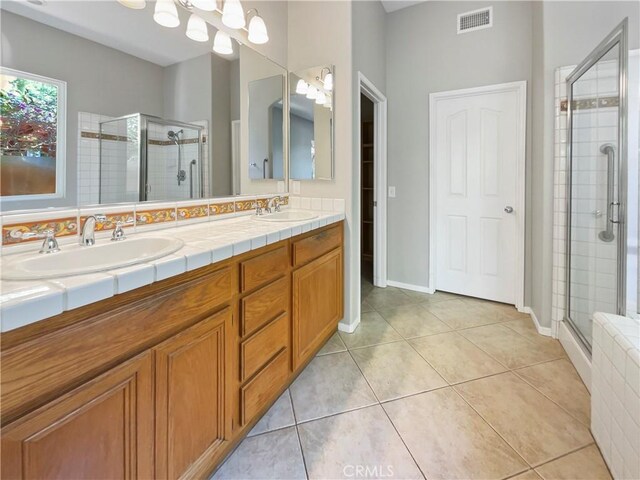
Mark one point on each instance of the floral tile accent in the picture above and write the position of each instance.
(221, 208)
(12, 233)
(161, 215)
(112, 220)
(193, 211)
(284, 200)
(244, 205)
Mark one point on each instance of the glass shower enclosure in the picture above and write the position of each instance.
(147, 158)
(596, 245)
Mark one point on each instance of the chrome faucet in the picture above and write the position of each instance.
(258, 208)
(50, 244)
(119, 233)
(88, 236)
(273, 201)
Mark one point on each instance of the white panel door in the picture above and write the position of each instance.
(476, 155)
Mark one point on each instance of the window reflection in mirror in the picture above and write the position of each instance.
(32, 121)
(311, 124)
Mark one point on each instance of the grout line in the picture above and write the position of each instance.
(546, 462)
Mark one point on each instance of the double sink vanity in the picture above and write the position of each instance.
(162, 381)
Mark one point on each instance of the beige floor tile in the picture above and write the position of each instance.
(508, 347)
(413, 321)
(501, 311)
(388, 297)
(274, 455)
(449, 440)
(365, 307)
(456, 358)
(528, 475)
(533, 425)
(333, 345)
(430, 297)
(460, 314)
(559, 381)
(373, 330)
(365, 439)
(527, 329)
(585, 464)
(395, 370)
(330, 384)
(280, 415)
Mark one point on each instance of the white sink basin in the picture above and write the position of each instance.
(76, 260)
(286, 216)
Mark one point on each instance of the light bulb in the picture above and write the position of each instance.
(166, 14)
(312, 92)
(197, 29)
(328, 81)
(258, 30)
(302, 87)
(320, 98)
(232, 14)
(135, 4)
(207, 5)
(222, 43)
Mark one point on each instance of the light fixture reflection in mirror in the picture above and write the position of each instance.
(232, 14)
(222, 43)
(311, 124)
(197, 29)
(133, 4)
(166, 14)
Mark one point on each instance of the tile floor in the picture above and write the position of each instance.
(429, 386)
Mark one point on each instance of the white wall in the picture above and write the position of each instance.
(425, 55)
(326, 40)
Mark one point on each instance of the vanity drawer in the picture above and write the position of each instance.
(263, 345)
(315, 245)
(264, 305)
(263, 387)
(259, 270)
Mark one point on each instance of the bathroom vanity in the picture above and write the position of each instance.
(164, 380)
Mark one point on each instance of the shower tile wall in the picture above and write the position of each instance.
(593, 274)
(89, 157)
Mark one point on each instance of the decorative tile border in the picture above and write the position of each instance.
(222, 208)
(245, 205)
(194, 211)
(589, 103)
(127, 219)
(160, 215)
(63, 227)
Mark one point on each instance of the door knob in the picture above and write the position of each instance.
(508, 209)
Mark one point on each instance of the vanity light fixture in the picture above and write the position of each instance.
(312, 92)
(327, 79)
(197, 29)
(222, 43)
(232, 14)
(134, 4)
(257, 28)
(302, 87)
(321, 98)
(166, 13)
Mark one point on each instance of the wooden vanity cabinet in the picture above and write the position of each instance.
(163, 381)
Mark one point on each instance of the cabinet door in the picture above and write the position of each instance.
(317, 303)
(101, 430)
(192, 397)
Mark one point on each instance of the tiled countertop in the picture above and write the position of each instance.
(26, 302)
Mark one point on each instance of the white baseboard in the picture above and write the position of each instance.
(409, 286)
(576, 353)
(349, 327)
(546, 331)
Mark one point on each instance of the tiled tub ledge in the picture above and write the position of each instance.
(615, 392)
(26, 302)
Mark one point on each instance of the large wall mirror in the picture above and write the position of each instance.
(150, 114)
(311, 94)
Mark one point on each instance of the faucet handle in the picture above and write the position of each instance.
(118, 232)
(50, 244)
(258, 208)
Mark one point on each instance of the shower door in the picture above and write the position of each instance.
(596, 184)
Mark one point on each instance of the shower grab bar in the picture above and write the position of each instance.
(610, 151)
(191, 177)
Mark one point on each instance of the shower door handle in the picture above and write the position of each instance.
(609, 150)
(191, 177)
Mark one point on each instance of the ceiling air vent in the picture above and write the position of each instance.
(475, 20)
